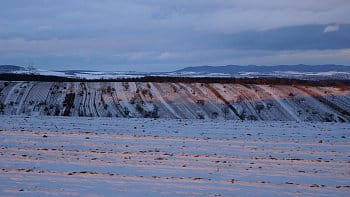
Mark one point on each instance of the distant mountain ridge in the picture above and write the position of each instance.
(10, 68)
(237, 69)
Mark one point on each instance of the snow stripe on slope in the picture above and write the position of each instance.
(288, 109)
(156, 93)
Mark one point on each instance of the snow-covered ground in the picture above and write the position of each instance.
(176, 100)
(82, 156)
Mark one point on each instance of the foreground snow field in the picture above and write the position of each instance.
(83, 156)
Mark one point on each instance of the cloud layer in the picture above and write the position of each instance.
(162, 33)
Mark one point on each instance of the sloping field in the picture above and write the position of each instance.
(83, 156)
(176, 100)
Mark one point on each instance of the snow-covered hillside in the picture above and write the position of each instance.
(82, 156)
(176, 100)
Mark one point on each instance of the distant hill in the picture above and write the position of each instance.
(236, 69)
(10, 68)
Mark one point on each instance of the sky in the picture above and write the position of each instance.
(159, 35)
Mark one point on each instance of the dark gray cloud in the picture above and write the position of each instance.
(170, 34)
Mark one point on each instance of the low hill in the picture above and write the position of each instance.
(10, 68)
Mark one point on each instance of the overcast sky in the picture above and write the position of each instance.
(160, 35)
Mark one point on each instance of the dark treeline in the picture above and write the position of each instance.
(165, 79)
